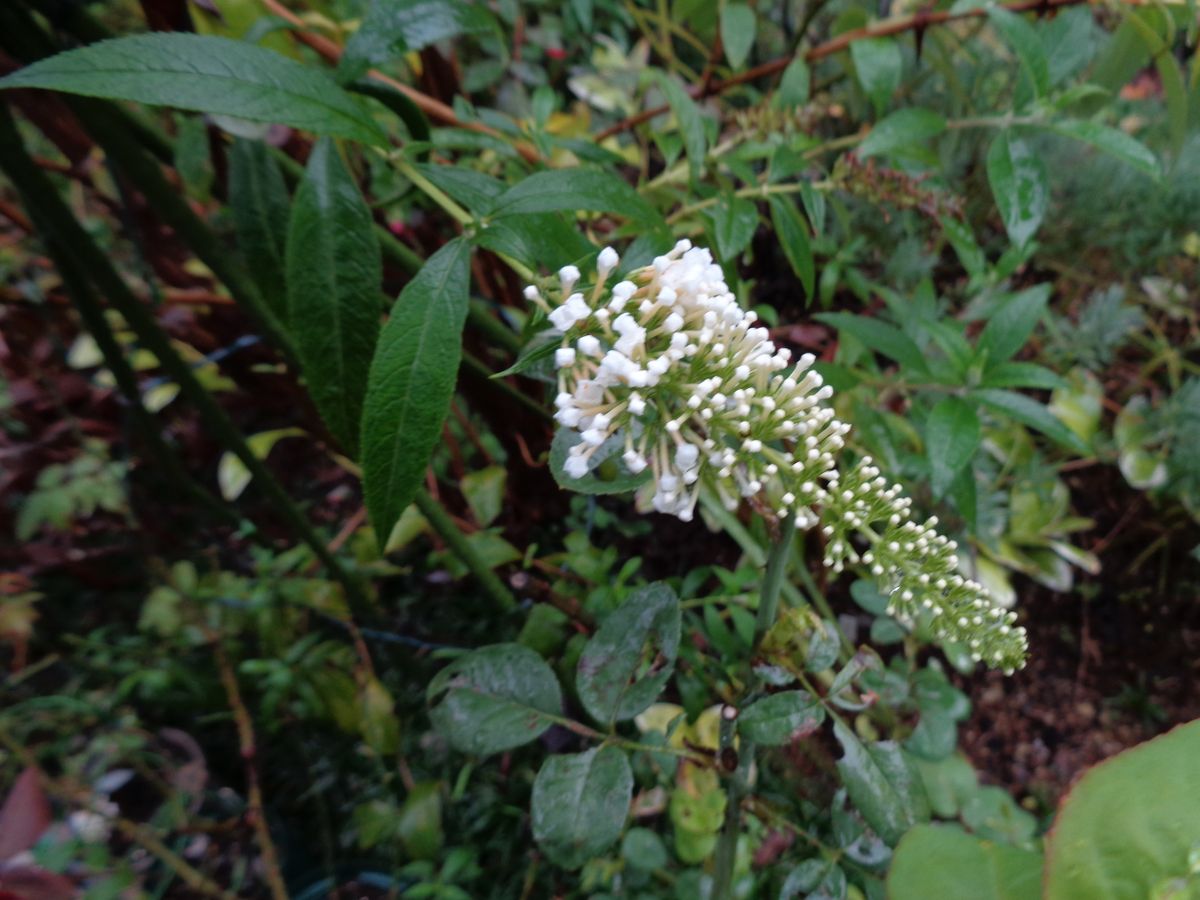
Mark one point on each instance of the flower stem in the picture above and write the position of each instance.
(768, 608)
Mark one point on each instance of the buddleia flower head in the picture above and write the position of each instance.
(667, 364)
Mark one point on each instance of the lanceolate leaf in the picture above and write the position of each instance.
(490, 700)
(1011, 325)
(630, 657)
(411, 382)
(878, 336)
(206, 74)
(903, 128)
(580, 803)
(1026, 44)
(738, 25)
(574, 190)
(259, 202)
(334, 272)
(1108, 140)
(793, 238)
(879, 65)
(1029, 412)
(691, 124)
(1018, 179)
(952, 435)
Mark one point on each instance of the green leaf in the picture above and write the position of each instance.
(538, 240)
(643, 849)
(903, 128)
(258, 201)
(608, 474)
(334, 271)
(1130, 826)
(878, 65)
(878, 336)
(205, 74)
(490, 700)
(398, 102)
(232, 475)
(1029, 412)
(966, 248)
(1020, 374)
(476, 191)
(377, 718)
(624, 666)
(690, 122)
(1017, 176)
(793, 238)
(394, 27)
(945, 861)
(781, 718)
(1024, 41)
(883, 785)
(738, 25)
(1010, 327)
(952, 436)
(732, 223)
(815, 879)
(419, 826)
(1108, 140)
(411, 382)
(484, 493)
(794, 85)
(575, 190)
(580, 803)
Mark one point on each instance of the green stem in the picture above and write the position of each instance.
(61, 227)
(461, 547)
(170, 205)
(83, 296)
(768, 609)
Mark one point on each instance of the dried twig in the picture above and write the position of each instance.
(435, 109)
(248, 749)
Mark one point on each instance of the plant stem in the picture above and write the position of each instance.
(768, 609)
(461, 547)
(60, 226)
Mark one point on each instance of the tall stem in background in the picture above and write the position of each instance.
(768, 609)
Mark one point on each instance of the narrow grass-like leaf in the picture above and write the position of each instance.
(206, 74)
(411, 382)
(334, 269)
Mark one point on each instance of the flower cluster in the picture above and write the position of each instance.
(699, 395)
(669, 365)
(917, 566)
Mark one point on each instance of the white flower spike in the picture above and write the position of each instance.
(701, 397)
